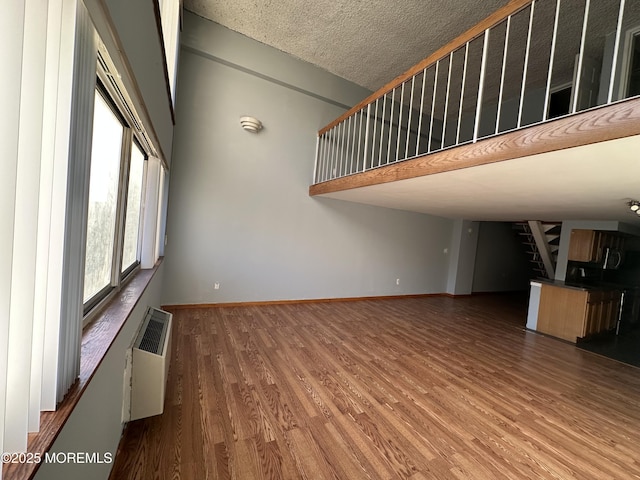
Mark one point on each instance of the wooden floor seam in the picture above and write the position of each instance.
(424, 388)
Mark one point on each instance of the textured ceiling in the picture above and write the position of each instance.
(368, 42)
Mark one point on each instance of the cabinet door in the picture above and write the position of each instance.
(562, 312)
(602, 311)
(595, 312)
(601, 240)
(616, 242)
(608, 239)
(582, 246)
(613, 310)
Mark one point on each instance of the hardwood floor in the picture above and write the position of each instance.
(432, 388)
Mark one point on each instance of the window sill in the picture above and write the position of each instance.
(97, 338)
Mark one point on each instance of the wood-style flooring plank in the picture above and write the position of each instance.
(435, 388)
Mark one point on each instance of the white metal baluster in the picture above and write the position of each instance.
(464, 79)
(400, 121)
(547, 94)
(424, 78)
(483, 72)
(343, 137)
(526, 64)
(327, 155)
(315, 165)
(340, 150)
(345, 146)
(433, 106)
(321, 149)
(393, 97)
(446, 101)
(347, 159)
(353, 137)
(352, 131)
(384, 107)
(331, 153)
(323, 153)
(504, 68)
(354, 143)
(364, 159)
(336, 165)
(616, 48)
(326, 152)
(373, 136)
(585, 22)
(406, 149)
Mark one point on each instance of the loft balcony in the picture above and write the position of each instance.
(542, 95)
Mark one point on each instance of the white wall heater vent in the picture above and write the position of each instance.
(150, 357)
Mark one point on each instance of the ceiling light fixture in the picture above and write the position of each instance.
(251, 124)
(634, 206)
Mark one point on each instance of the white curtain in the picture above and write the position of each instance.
(150, 250)
(47, 50)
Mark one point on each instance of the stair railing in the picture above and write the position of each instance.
(528, 63)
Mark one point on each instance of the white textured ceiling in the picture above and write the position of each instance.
(369, 42)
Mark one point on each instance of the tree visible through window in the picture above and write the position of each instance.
(132, 216)
(103, 197)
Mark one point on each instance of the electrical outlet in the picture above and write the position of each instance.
(216, 286)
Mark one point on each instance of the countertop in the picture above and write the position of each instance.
(579, 286)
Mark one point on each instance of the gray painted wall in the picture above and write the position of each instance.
(95, 426)
(239, 211)
(134, 23)
(138, 30)
(500, 264)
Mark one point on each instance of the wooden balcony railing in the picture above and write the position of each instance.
(530, 62)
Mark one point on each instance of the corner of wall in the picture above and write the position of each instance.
(464, 243)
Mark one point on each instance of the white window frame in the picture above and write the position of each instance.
(93, 306)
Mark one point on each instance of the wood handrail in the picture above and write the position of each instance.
(492, 20)
(606, 122)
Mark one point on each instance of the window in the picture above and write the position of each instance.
(106, 157)
(115, 198)
(170, 14)
(57, 187)
(130, 249)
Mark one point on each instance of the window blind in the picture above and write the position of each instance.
(49, 54)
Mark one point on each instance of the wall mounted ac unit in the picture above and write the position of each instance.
(150, 355)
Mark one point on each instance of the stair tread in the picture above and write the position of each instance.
(555, 229)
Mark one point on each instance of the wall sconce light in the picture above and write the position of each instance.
(634, 206)
(251, 124)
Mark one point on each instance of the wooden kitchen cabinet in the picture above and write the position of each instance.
(583, 245)
(571, 313)
(588, 245)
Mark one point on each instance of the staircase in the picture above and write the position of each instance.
(541, 241)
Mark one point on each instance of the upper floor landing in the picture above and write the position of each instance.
(523, 98)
